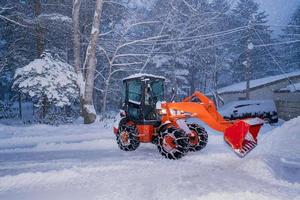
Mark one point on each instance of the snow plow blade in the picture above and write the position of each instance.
(242, 135)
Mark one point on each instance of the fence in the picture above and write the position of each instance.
(288, 104)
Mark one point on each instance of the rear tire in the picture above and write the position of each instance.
(172, 143)
(127, 137)
(198, 139)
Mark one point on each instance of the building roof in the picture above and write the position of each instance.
(241, 87)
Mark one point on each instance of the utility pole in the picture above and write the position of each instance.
(20, 106)
(247, 63)
(248, 73)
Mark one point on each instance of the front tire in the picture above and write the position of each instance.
(198, 137)
(172, 143)
(127, 137)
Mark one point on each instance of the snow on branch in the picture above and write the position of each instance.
(12, 21)
(131, 54)
(56, 17)
(1, 68)
(98, 73)
(142, 23)
(90, 109)
(142, 40)
(190, 6)
(126, 64)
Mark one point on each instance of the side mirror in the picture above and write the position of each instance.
(120, 102)
(149, 88)
(173, 94)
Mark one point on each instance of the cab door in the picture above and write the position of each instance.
(134, 99)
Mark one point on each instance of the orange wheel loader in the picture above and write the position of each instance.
(145, 117)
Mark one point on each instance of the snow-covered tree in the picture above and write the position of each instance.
(196, 37)
(19, 41)
(290, 51)
(254, 62)
(48, 81)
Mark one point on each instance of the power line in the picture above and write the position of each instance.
(278, 25)
(201, 37)
(277, 43)
(274, 59)
(190, 39)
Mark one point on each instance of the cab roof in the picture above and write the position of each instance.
(141, 75)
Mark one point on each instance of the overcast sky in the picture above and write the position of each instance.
(279, 11)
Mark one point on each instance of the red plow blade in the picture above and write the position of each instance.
(242, 135)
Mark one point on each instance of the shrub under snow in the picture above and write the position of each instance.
(48, 78)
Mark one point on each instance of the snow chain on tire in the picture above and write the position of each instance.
(132, 136)
(202, 137)
(180, 143)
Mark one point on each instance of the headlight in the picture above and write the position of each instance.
(162, 111)
(179, 112)
(176, 112)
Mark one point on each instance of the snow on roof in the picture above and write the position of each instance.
(138, 75)
(291, 88)
(239, 87)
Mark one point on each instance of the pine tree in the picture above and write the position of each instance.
(290, 56)
(251, 61)
(221, 50)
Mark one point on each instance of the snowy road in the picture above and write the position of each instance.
(83, 162)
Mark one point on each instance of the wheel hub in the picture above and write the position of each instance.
(169, 143)
(124, 138)
(193, 138)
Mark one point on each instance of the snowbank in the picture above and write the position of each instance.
(277, 157)
(283, 141)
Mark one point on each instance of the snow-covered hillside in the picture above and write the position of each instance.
(83, 162)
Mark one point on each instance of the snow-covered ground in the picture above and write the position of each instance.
(83, 162)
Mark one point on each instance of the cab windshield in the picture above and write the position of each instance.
(154, 92)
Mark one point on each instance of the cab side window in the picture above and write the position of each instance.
(134, 99)
(158, 90)
(134, 91)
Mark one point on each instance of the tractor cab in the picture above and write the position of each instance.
(141, 92)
